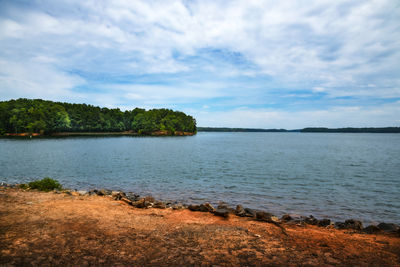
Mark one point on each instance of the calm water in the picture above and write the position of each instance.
(337, 176)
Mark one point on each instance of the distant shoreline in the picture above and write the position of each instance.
(305, 130)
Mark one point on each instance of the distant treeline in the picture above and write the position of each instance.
(305, 130)
(46, 117)
(224, 129)
(352, 130)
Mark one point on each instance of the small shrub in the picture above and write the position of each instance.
(46, 184)
(23, 186)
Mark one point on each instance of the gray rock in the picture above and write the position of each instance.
(117, 195)
(311, 220)
(389, 227)
(160, 205)
(193, 207)
(240, 211)
(131, 196)
(250, 212)
(222, 212)
(178, 206)
(222, 205)
(150, 199)
(142, 204)
(371, 229)
(266, 216)
(127, 201)
(206, 207)
(324, 222)
(82, 192)
(349, 224)
(103, 192)
(340, 225)
(353, 224)
(100, 192)
(286, 218)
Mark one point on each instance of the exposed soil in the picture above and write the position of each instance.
(44, 229)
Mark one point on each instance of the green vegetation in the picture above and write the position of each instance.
(46, 184)
(47, 117)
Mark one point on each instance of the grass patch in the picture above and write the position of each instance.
(46, 184)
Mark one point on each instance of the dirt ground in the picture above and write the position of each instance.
(48, 229)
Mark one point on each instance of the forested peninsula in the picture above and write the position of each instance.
(41, 117)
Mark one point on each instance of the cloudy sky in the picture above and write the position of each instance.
(263, 64)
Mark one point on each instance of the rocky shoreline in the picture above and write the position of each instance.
(113, 228)
(225, 211)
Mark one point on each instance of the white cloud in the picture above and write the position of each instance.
(33, 80)
(338, 48)
(318, 89)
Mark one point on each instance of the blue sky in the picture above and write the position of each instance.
(260, 64)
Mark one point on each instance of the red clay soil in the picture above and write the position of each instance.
(48, 229)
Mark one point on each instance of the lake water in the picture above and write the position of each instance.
(328, 175)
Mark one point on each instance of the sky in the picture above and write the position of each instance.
(254, 64)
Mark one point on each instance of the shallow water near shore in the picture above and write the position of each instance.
(337, 176)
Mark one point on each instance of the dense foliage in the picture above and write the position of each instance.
(46, 184)
(40, 116)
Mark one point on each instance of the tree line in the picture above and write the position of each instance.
(46, 117)
(352, 130)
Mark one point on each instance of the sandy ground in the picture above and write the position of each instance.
(48, 229)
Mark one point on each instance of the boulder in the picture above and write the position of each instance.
(178, 206)
(75, 193)
(250, 212)
(222, 212)
(127, 201)
(286, 218)
(131, 196)
(240, 211)
(222, 205)
(349, 224)
(160, 205)
(194, 207)
(82, 192)
(388, 227)
(117, 195)
(206, 207)
(340, 225)
(150, 199)
(371, 229)
(142, 204)
(353, 224)
(103, 192)
(266, 217)
(324, 222)
(311, 220)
